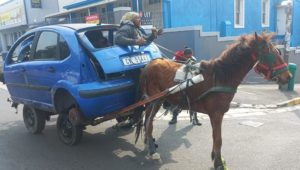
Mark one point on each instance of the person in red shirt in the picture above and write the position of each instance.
(183, 56)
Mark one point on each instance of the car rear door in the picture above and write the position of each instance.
(47, 66)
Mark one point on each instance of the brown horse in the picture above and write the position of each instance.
(212, 96)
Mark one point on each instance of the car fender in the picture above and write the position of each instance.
(67, 86)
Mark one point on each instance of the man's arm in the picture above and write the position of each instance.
(154, 33)
(123, 36)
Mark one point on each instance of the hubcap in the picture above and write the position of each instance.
(30, 118)
(66, 128)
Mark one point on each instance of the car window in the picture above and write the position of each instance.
(100, 38)
(47, 47)
(64, 50)
(22, 52)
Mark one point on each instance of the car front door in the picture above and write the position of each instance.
(14, 69)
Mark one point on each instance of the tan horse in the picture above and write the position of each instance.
(212, 96)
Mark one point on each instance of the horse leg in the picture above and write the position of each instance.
(150, 141)
(216, 123)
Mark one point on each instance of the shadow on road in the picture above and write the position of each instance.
(100, 148)
(171, 139)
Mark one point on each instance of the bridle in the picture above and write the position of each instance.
(265, 63)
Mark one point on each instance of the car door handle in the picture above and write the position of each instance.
(51, 70)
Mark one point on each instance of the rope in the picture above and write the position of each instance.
(166, 49)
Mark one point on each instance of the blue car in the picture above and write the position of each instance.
(75, 71)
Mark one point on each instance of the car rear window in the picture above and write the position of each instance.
(100, 38)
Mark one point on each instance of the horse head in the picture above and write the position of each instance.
(268, 59)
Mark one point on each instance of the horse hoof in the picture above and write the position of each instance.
(223, 166)
(154, 156)
(220, 168)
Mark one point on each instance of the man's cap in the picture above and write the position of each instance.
(128, 16)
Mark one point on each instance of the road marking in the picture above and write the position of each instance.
(247, 92)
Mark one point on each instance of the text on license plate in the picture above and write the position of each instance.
(143, 58)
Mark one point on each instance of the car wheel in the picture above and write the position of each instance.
(34, 119)
(67, 132)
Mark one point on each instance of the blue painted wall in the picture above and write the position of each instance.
(295, 39)
(212, 14)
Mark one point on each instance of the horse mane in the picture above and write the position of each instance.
(232, 60)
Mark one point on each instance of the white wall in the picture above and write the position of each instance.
(15, 11)
(36, 15)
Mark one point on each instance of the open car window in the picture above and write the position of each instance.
(98, 38)
(22, 51)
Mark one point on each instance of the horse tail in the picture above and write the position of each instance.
(139, 127)
(143, 86)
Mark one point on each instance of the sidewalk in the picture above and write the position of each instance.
(266, 94)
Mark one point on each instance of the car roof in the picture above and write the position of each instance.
(76, 27)
(87, 26)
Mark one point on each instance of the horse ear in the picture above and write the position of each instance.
(268, 36)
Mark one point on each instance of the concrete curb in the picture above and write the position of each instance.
(292, 102)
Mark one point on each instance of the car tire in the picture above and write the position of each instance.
(34, 119)
(68, 133)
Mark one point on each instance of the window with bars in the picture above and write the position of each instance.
(239, 13)
(265, 12)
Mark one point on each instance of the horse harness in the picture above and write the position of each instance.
(267, 61)
(191, 68)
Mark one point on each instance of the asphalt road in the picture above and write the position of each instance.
(272, 145)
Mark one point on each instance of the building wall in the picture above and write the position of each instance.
(207, 45)
(12, 14)
(156, 12)
(20, 17)
(37, 15)
(211, 13)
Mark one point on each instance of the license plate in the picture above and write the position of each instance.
(137, 59)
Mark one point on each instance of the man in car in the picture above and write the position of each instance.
(182, 56)
(131, 32)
